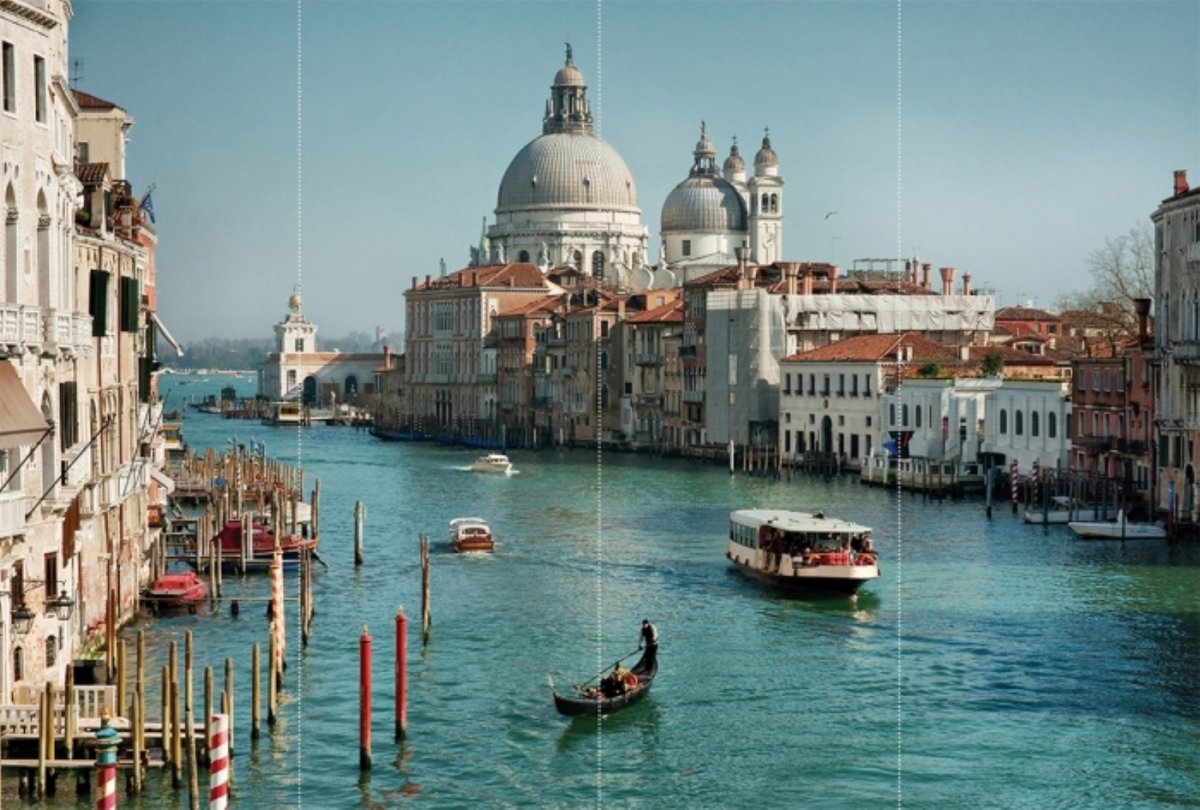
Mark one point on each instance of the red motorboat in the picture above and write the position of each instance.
(262, 547)
(183, 589)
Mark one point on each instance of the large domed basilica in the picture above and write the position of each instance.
(568, 198)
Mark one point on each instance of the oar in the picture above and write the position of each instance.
(606, 669)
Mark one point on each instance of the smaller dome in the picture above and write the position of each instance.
(294, 302)
(766, 156)
(703, 204)
(568, 75)
(734, 162)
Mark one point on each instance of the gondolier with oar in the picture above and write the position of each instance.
(649, 639)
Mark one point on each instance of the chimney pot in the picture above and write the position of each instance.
(966, 283)
(833, 278)
(1181, 183)
(926, 270)
(947, 280)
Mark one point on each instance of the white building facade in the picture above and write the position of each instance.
(1028, 420)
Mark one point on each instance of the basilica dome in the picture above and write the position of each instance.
(703, 204)
(567, 170)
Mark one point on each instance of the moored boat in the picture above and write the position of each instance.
(181, 589)
(471, 534)
(587, 700)
(1063, 509)
(1119, 529)
(801, 551)
(262, 546)
(493, 463)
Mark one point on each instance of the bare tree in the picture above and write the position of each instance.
(1122, 271)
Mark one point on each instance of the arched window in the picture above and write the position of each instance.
(51, 650)
(904, 414)
(918, 415)
(603, 361)
(766, 203)
(350, 387)
(1003, 421)
(523, 256)
(892, 414)
(1033, 423)
(1018, 422)
(774, 203)
(18, 664)
(577, 259)
(1051, 427)
(604, 396)
(598, 264)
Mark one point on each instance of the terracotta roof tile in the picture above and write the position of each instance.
(670, 312)
(518, 274)
(1025, 314)
(88, 101)
(874, 348)
(91, 174)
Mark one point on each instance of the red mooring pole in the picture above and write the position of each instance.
(401, 674)
(364, 700)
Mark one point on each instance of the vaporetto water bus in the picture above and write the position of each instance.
(801, 551)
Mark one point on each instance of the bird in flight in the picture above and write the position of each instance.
(831, 213)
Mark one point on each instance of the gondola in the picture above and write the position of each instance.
(581, 700)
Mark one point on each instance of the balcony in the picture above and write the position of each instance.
(1132, 447)
(648, 359)
(1186, 354)
(20, 327)
(1096, 444)
(694, 397)
(486, 377)
(12, 514)
(648, 400)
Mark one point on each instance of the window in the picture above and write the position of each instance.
(603, 329)
(9, 78)
(853, 385)
(867, 385)
(18, 664)
(1003, 421)
(787, 383)
(904, 415)
(1050, 425)
(131, 302)
(825, 387)
(812, 385)
(81, 152)
(892, 414)
(523, 256)
(51, 650)
(841, 385)
(68, 415)
(598, 264)
(1033, 423)
(39, 89)
(918, 415)
(687, 247)
(1018, 422)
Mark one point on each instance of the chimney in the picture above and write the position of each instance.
(743, 256)
(833, 278)
(620, 310)
(966, 283)
(926, 270)
(387, 356)
(752, 273)
(1181, 186)
(808, 281)
(1142, 307)
(790, 271)
(947, 280)
(427, 280)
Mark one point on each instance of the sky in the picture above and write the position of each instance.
(345, 147)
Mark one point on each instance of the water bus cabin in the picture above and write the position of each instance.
(801, 551)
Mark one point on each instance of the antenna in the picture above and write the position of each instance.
(76, 73)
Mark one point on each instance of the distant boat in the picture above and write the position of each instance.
(1062, 508)
(1119, 529)
(492, 463)
(390, 435)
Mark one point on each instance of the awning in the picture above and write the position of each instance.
(21, 422)
(165, 481)
(162, 330)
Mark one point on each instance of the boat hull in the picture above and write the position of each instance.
(1114, 531)
(177, 591)
(835, 579)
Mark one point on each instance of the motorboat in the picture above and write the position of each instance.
(801, 551)
(1119, 529)
(178, 590)
(471, 534)
(1063, 509)
(492, 463)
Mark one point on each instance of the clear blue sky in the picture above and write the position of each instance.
(1032, 132)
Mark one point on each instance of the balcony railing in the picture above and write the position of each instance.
(694, 397)
(1132, 447)
(649, 359)
(648, 400)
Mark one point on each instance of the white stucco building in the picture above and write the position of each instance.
(1028, 420)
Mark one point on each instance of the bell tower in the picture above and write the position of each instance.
(766, 206)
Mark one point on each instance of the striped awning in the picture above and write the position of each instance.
(21, 422)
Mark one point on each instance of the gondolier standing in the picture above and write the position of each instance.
(649, 639)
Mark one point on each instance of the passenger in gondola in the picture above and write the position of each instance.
(613, 683)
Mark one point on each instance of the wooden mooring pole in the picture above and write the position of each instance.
(255, 697)
(426, 618)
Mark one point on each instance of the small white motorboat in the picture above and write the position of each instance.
(492, 463)
(1119, 529)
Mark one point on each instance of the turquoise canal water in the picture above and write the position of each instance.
(993, 665)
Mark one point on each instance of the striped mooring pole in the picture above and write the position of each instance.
(218, 763)
(1012, 479)
(1034, 481)
(277, 665)
(106, 743)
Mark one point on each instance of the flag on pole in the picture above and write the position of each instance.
(148, 205)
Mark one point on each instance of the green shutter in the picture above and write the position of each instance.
(98, 302)
(131, 302)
